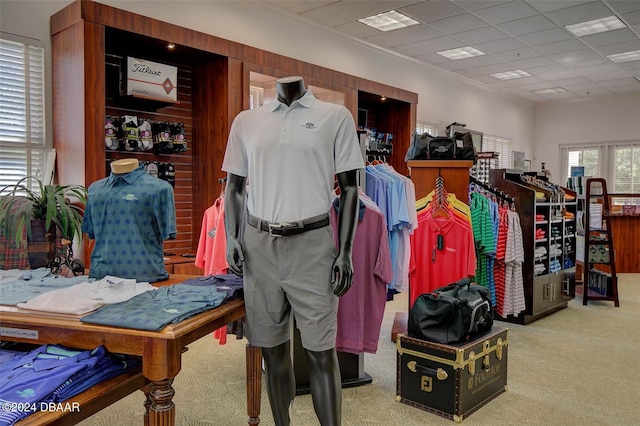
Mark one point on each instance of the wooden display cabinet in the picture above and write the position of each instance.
(548, 238)
(89, 39)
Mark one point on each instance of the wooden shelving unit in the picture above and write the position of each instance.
(599, 278)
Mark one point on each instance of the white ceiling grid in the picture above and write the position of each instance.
(515, 35)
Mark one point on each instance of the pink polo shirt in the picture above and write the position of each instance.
(212, 246)
(361, 309)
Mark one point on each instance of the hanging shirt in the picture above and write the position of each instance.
(211, 255)
(432, 267)
(361, 309)
(129, 216)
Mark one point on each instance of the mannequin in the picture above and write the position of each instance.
(128, 215)
(123, 166)
(324, 372)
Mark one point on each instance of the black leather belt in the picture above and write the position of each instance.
(285, 229)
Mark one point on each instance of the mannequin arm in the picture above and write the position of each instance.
(233, 214)
(342, 268)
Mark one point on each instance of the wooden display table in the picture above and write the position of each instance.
(161, 353)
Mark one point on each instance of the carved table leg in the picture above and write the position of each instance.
(254, 383)
(162, 411)
(147, 402)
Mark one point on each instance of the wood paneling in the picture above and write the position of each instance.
(625, 232)
(213, 89)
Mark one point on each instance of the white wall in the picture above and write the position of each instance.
(614, 118)
(441, 98)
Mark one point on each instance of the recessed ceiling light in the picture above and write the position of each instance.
(388, 21)
(508, 75)
(633, 55)
(461, 53)
(549, 91)
(596, 26)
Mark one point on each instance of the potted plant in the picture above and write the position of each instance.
(41, 212)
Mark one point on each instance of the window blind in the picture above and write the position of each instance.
(22, 134)
(502, 146)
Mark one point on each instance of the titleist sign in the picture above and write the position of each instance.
(152, 80)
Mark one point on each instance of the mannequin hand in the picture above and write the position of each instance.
(235, 256)
(341, 275)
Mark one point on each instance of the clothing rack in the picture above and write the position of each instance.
(493, 190)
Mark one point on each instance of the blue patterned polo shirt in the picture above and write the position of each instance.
(129, 216)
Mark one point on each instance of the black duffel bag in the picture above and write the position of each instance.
(453, 313)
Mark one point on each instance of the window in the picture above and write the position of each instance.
(617, 162)
(502, 146)
(588, 158)
(626, 178)
(422, 127)
(22, 125)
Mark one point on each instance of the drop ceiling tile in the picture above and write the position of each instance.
(505, 12)
(518, 54)
(569, 58)
(501, 84)
(572, 81)
(540, 61)
(622, 6)
(438, 44)
(498, 46)
(527, 25)
(357, 9)
(629, 65)
(469, 72)
(582, 87)
(431, 10)
(624, 46)
(550, 72)
(538, 85)
(294, 6)
(491, 69)
(588, 63)
(432, 58)
(416, 33)
(610, 37)
(409, 50)
(396, 4)
(597, 91)
(458, 23)
(625, 89)
(323, 16)
(478, 61)
(478, 4)
(357, 29)
(384, 40)
(632, 18)
(549, 5)
(560, 46)
(629, 81)
(481, 35)
(616, 75)
(609, 68)
(581, 13)
(546, 36)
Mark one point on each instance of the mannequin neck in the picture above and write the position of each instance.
(124, 166)
(290, 89)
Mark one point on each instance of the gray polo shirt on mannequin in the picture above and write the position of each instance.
(290, 156)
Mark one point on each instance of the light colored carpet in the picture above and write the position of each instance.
(579, 366)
